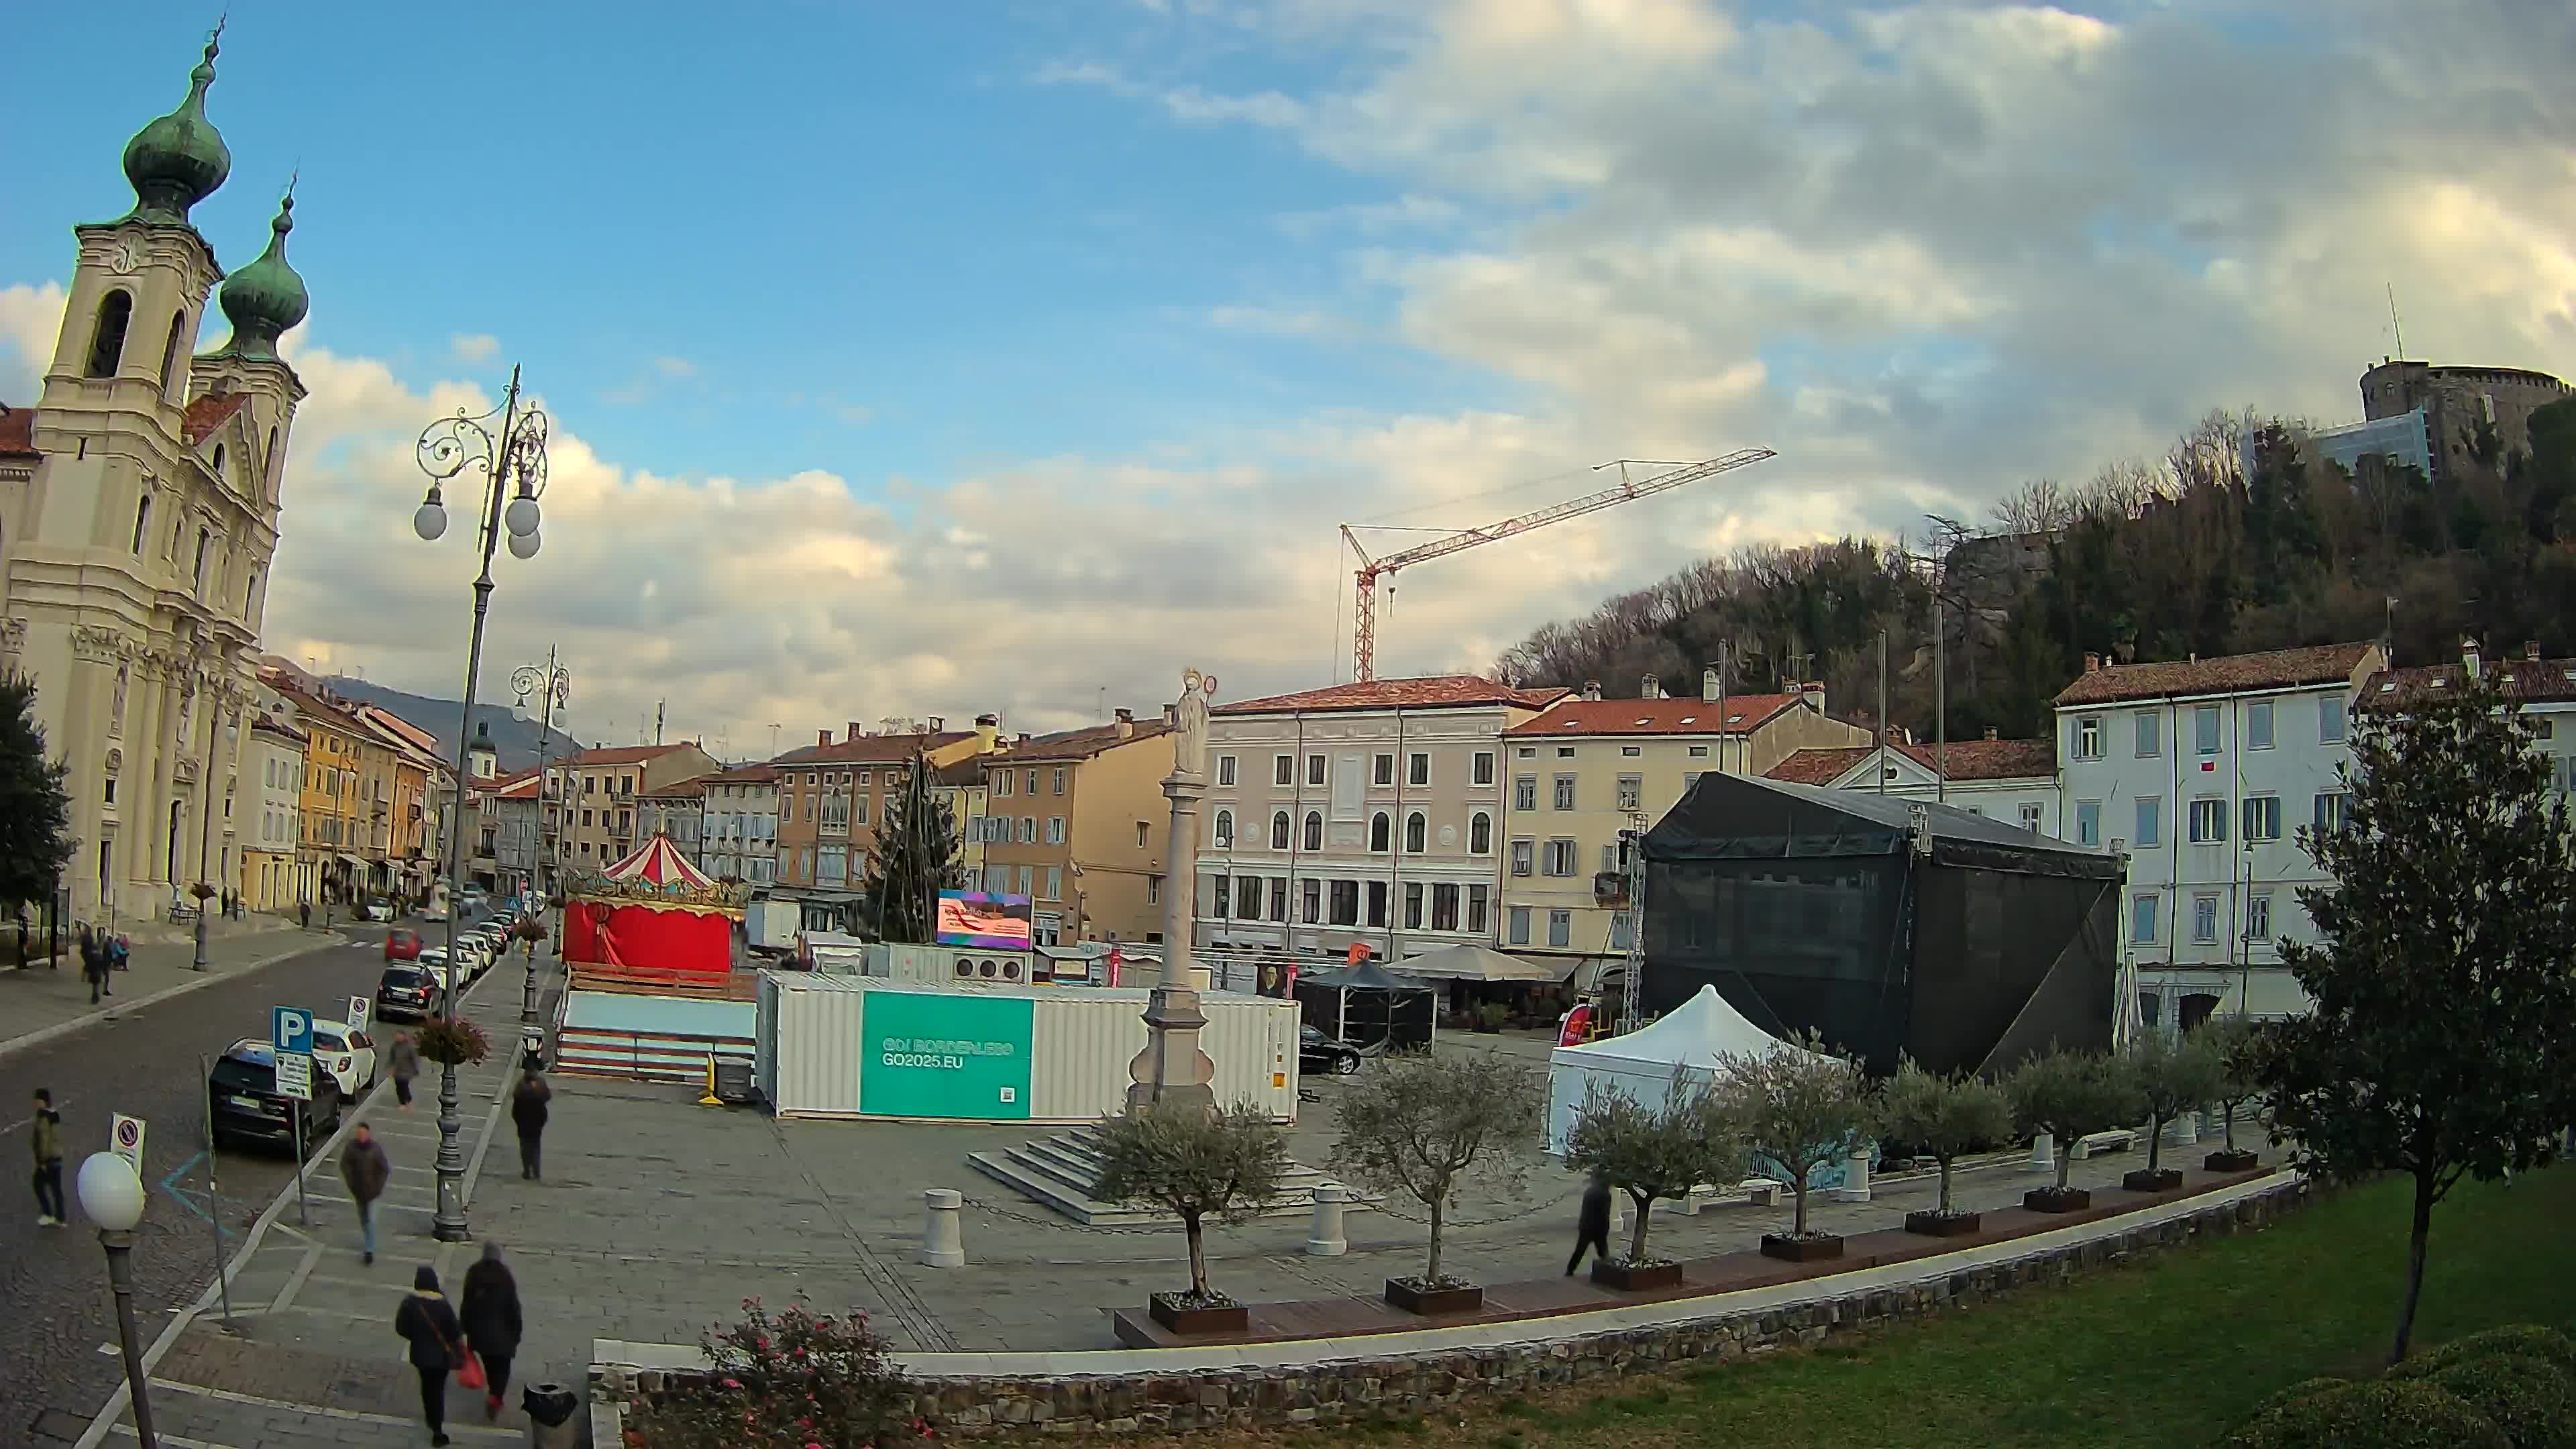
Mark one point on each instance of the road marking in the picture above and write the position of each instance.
(176, 1441)
(295, 1280)
(325, 1410)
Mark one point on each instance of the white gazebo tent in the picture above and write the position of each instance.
(1641, 1063)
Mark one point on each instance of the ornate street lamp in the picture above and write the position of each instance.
(112, 1197)
(516, 458)
(555, 683)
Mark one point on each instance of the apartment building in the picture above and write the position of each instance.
(2009, 780)
(833, 795)
(1368, 813)
(965, 788)
(678, 809)
(740, 830)
(332, 814)
(271, 879)
(1586, 770)
(596, 796)
(2202, 771)
(415, 848)
(507, 843)
(1087, 830)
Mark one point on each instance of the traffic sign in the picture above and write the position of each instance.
(125, 1139)
(359, 1007)
(290, 1029)
(295, 1076)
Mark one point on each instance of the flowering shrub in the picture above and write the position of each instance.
(453, 1043)
(793, 1380)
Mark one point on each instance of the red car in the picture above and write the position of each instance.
(402, 945)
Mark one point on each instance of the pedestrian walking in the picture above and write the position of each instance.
(489, 1310)
(528, 1110)
(304, 914)
(1592, 1226)
(405, 1065)
(437, 1341)
(365, 1168)
(49, 1162)
(95, 959)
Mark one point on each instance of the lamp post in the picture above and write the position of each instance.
(447, 448)
(112, 1197)
(555, 682)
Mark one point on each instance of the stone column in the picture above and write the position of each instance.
(2183, 1130)
(1172, 1070)
(943, 1244)
(1324, 1236)
(2043, 1155)
(1855, 1186)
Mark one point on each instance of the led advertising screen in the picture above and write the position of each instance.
(986, 923)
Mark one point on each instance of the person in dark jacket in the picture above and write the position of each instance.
(49, 1162)
(96, 957)
(405, 1065)
(1592, 1227)
(528, 1110)
(364, 1167)
(490, 1312)
(437, 1345)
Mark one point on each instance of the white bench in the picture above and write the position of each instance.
(2118, 1139)
(1757, 1191)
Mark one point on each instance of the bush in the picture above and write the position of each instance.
(2531, 1400)
(792, 1380)
(455, 1042)
(2512, 1340)
(2383, 1414)
(2300, 1393)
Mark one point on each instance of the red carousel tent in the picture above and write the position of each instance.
(652, 911)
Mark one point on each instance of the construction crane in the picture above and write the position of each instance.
(1364, 620)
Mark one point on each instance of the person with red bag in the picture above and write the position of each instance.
(490, 1312)
(437, 1345)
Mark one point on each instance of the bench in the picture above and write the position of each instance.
(1755, 1191)
(2118, 1139)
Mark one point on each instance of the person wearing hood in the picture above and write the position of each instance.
(528, 1111)
(490, 1312)
(404, 1065)
(428, 1324)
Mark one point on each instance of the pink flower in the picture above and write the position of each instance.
(733, 1383)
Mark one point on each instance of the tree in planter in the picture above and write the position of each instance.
(1798, 1105)
(1195, 1165)
(1945, 1117)
(1424, 1125)
(2171, 1078)
(916, 858)
(1654, 1152)
(791, 1379)
(2236, 1043)
(2071, 1095)
(35, 811)
(2442, 1040)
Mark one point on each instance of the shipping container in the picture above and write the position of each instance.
(769, 927)
(842, 1046)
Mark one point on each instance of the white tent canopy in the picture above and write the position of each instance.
(1641, 1063)
(1471, 962)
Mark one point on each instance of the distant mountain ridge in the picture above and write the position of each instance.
(514, 739)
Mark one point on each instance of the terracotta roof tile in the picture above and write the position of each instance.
(17, 432)
(695, 785)
(966, 772)
(1081, 744)
(1819, 766)
(2539, 680)
(1433, 692)
(206, 414)
(2228, 674)
(744, 775)
(623, 754)
(871, 749)
(1740, 713)
(1967, 759)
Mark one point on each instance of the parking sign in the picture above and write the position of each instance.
(295, 1076)
(359, 1007)
(290, 1029)
(125, 1139)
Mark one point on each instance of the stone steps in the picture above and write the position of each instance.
(1060, 1172)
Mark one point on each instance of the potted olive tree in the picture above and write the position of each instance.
(1423, 1127)
(1803, 1108)
(1945, 1118)
(1195, 1165)
(1654, 1152)
(2069, 1095)
(2236, 1043)
(2170, 1078)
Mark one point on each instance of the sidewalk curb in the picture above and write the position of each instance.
(61, 1029)
(103, 1424)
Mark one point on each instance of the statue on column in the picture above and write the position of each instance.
(1190, 723)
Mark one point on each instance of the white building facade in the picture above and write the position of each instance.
(738, 835)
(2014, 781)
(2202, 772)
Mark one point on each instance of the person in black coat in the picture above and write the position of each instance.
(1592, 1227)
(528, 1111)
(490, 1312)
(437, 1346)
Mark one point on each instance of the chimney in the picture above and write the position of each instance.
(1708, 686)
(1990, 732)
(2531, 650)
(2092, 663)
(1592, 691)
(1126, 724)
(1814, 692)
(855, 731)
(1023, 739)
(1650, 687)
(822, 737)
(988, 732)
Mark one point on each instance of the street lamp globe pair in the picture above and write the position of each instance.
(520, 519)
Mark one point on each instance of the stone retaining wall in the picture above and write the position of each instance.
(1420, 1382)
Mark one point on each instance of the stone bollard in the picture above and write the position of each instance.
(2183, 1130)
(1855, 1186)
(1324, 1238)
(943, 1245)
(2043, 1155)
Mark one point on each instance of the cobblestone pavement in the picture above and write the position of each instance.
(311, 1358)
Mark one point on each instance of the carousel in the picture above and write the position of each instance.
(652, 912)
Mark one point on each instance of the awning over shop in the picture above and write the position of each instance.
(1471, 962)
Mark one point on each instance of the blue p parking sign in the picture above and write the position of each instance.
(290, 1030)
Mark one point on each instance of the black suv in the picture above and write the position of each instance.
(405, 990)
(242, 1096)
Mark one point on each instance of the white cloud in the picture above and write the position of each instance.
(474, 346)
(675, 367)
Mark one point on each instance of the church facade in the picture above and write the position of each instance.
(138, 516)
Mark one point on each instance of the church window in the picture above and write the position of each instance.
(219, 462)
(107, 340)
(170, 352)
(142, 523)
(269, 459)
(205, 539)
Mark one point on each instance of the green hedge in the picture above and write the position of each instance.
(2517, 1340)
(2531, 1400)
(2383, 1414)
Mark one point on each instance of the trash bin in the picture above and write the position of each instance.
(734, 1083)
(553, 1417)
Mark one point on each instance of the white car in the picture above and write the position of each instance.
(433, 959)
(380, 911)
(349, 1056)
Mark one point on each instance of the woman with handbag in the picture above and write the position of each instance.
(490, 1312)
(437, 1342)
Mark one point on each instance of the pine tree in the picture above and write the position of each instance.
(915, 859)
(35, 812)
(2442, 1044)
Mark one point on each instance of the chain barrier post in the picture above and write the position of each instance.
(943, 1244)
(1324, 1236)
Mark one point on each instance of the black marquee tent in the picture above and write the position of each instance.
(1367, 1005)
(1886, 924)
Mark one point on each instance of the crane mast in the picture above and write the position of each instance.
(1364, 608)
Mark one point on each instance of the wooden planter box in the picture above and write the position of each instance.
(1466, 1298)
(2162, 1179)
(1231, 1318)
(2056, 1200)
(1939, 1225)
(1814, 1248)
(2239, 1160)
(1629, 1279)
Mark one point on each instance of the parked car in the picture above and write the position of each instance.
(348, 1055)
(407, 990)
(244, 1104)
(380, 910)
(402, 944)
(1317, 1052)
(434, 912)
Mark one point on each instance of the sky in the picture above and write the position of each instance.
(911, 361)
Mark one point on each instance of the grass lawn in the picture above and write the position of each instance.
(2172, 1350)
